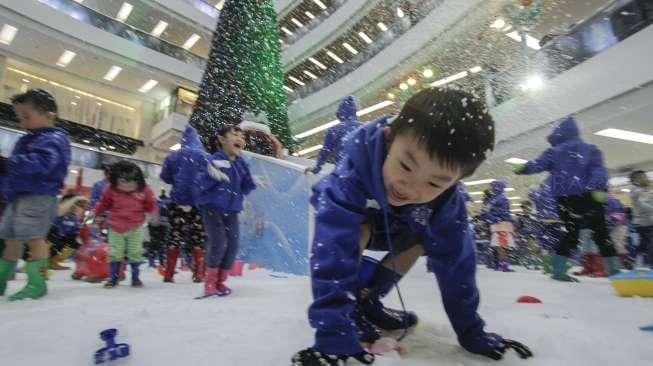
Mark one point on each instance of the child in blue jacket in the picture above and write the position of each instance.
(397, 190)
(579, 182)
(496, 212)
(220, 200)
(36, 171)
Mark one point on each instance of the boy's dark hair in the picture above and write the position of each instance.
(636, 174)
(41, 100)
(223, 131)
(454, 126)
(128, 171)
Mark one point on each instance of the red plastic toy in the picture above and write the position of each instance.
(529, 300)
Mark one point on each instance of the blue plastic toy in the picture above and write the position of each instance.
(648, 328)
(112, 351)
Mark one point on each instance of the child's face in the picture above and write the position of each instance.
(411, 176)
(127, 186)
(31, 118)
(232, 142)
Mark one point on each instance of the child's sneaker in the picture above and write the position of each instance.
(311, 357)
(386, 318)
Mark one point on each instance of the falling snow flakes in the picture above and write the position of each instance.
(464, 102)
(452, 131)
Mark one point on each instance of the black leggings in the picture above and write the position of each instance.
(583, 212)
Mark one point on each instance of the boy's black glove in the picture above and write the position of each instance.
(311, 357)
(499, 350)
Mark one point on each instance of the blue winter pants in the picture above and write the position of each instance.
(222, 238)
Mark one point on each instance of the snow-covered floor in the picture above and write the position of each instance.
(264, 322)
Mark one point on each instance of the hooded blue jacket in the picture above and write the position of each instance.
(226, 197)
(38, 163)
(334, 138)
(546, 206)
(182, 168)
(576, 167)
(67, 225)
(343, 200)
(498, 208)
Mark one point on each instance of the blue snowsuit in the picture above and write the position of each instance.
(343, 200)
(498, 208)
(334, 138)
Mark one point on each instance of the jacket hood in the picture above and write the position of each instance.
(347, 110)
(498, 186)
(565, 130)
(190, 139)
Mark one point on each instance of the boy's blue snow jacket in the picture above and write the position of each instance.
(226, 197)
(334, 138)
(182, 168)
(342, 201)
(38, 163)
(576, 167)
(498, 208)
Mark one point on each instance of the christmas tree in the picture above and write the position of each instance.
(244, 71)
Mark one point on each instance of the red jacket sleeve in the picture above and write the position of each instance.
(105, 202)
(150, 205)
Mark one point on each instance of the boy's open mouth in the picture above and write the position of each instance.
(396, 195)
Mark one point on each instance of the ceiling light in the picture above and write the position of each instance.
(514, 198)
(190, 42)
(507, 28)
(350, 48)
(73, 171)
(103, 148)
(286, 30)
(626, 135)
(475, 69)
(360, 113)
(112, 147)
(478, 201)
(517, 210)
(479, 182)
(403, 86)
(65, 58)
(365, 38)
(289, 90)
(79, 1)
(73, 103)
(112, 73)
(533, 42)
(175, 147)
(25, 81)
(159, 28)
(534, 82)
(148, 86)
(498, 24)
(297, 22)
(124, 11)
(320, 4)
(296, 80)
(400, 13)
(317, 63)
(78, 97)
(625, 190)
(99, 104)
(219, 5)
(411, 81)
(86, 141)
(515, 204)
(335, 57)
(7, 34)
(476, 193)
(514, 35)
(449, 79)
(309, 150)
(391, 96)
(509, 190)
(310, 74)
(382, 26)
(428, 73)
(309, 14)
(516, 161)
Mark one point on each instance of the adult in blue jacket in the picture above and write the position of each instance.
(397, 191)
(334, 138)
(579, 182)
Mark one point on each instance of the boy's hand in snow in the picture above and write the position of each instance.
(214, 168)
(600, 196)
(311, 357)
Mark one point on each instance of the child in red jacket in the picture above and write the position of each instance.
(127, 199)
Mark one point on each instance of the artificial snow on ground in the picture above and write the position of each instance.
(264, 322)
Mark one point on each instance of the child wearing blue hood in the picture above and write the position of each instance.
(396, 190)
(332, 148)
(36, 171)
(497, 214)
(579, 182)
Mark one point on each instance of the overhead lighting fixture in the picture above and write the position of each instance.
(498, 24)
(514, 35)
(507, 28)
(112, 147)
(124, 11)
(73, 171)
(449, 79)
(509, 190)
(476, 193)
(219, 5)
(175, 147)
(516, 161)
(289, 90)
(625, 190)
(365, 37)
(286, 30)
(7, 34)
(86, 141)
(514, 198)
(382, 26)
(360, 113)
(309, 14)
(65, 58)
(478, 201)
(531, 41)
(400, 13)
(112, 73)
(428, 73)
(103, 148)
(99, 104)
(79, 1)
(310, 74)
(517, 210)
(309, 150)
(317, 63)
(476, 69)
(335, 57)
(148, 86)
(391, 96)
(320, 4)
(479, 182)
(350, 48)
(190, 42)
(297, 22)
(78, 97)
(297, 81)
(515, 204)
(403, 86)
(73, 104)
(534, 82)
(25, 81)
(411, 81)
(626, 135)
(159, 28)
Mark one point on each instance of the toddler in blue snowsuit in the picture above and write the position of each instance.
(396, 190)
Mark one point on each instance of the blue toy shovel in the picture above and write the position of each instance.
(112, 351)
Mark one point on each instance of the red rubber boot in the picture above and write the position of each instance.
(198, 264)
(171, 262)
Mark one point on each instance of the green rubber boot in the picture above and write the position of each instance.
(36, 287)
(6, 269)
